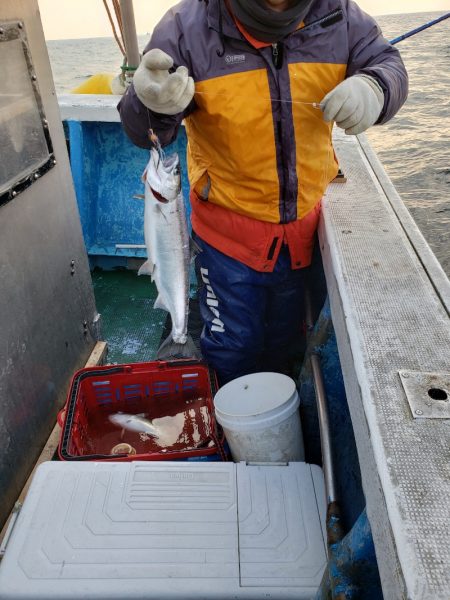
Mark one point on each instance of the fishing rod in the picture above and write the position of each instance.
(418, 29)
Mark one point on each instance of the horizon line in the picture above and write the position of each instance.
(105, 37)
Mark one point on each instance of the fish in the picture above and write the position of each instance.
(136, 423)
(168, 249)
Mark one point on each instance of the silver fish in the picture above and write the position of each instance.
(135, 423)
(168, 249)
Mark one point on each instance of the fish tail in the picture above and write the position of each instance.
(171, 349)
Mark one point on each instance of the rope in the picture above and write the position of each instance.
(118, 16)
(119, 43)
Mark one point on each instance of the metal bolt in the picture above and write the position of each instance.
(36, 176)
(2, 31)
(20, 25)
(419, 412)
(14, 194)
(54, 161)
(45, 122)
(34, 78)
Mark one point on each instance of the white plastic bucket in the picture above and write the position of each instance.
(260, 418)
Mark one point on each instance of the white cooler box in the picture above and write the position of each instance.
(168, 530)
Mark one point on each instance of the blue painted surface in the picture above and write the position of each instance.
(353, 564)
(353, 569)
(107, 170)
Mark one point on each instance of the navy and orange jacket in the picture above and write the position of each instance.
(259, 154)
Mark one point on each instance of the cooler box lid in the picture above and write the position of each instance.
(178, 530)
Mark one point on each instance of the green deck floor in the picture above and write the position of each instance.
(130, 325)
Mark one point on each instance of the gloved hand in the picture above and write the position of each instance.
(355, 104)
(161, 91)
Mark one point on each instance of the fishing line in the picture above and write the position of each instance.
(313, 104)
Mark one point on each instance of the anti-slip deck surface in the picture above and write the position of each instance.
(389, 307)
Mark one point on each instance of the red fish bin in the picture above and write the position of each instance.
(174, 398)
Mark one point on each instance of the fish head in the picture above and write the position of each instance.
(119, 419)
(129, 422)
(163, 177)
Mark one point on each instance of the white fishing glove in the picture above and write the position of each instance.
(355, 104)
(161, 91)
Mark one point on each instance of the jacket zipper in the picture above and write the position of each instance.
(277, 58)
(277, 55)
(283, 203)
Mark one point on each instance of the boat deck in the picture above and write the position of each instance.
(132, 328)
(130, 325)
(389, 301)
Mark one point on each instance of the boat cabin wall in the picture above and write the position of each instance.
(48, 318)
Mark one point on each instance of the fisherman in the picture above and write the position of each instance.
(259, 84)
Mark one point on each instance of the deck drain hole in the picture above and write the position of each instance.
(437, 394)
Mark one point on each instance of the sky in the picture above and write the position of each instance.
(70, 19)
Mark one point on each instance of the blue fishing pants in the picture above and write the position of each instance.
(251, 320)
